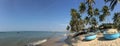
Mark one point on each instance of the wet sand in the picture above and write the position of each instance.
(56, 41)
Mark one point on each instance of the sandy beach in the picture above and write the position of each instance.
(99, 41)
(56, 41)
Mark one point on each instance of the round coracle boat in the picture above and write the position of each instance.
(111, 34)
(90, 36)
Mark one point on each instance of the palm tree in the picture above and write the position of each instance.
(68, 28)
(105, 12)
(76, 21)
(90, 11)
(82, 7)
(72, 25)
(89, 20)
(101, 17)
(113, 3)
(86, 20)
(116, 19)
(73, 20)
(96, 11)
(74, 14)
(94, 22)
(81, 24)
(90, 2)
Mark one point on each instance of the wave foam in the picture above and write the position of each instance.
(37, 43)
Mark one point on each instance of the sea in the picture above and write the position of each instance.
(22, 38)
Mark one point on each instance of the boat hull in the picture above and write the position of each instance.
(91, 37)
(111, 36)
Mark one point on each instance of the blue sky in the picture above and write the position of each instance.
(38, 15)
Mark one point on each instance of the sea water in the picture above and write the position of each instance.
(24, 37)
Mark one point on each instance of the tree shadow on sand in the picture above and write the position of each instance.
(103, 39)
(86, 40)
(68, 42)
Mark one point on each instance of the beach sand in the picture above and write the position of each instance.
(56, 41)
(99, 41)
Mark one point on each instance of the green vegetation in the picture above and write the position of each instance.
(113, 3)
(90, 21)
(116, 20)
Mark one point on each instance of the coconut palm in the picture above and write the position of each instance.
(81, 24)
(68, 28)
(101, 17)
(90, 11)
(82, 7)
(105, 10)
(96, 11)
(113, 3)
(105, 13)
(116, 19)
(73, 19)
(74, 14)
(76, 21)
(72, 25)
(90, 2)
(86, 20)
(93, 22)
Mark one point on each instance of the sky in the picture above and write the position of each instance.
(39, 15)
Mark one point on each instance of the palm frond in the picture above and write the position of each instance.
(90, 11)
(112, 1)
(101, 17)
(82, 7)
(113, 5)
(96, 12)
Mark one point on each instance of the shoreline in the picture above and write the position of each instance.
(99, 41)
(55, 41)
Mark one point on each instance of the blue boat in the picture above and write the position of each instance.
(119, 34)
(90, 37)
(111, 36)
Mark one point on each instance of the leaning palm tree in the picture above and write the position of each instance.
(75, 22)
(81, 24)
(113, 3)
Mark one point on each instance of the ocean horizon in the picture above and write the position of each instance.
(22, 38)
